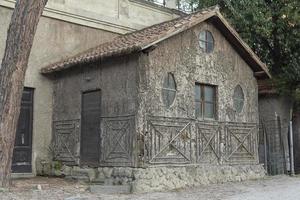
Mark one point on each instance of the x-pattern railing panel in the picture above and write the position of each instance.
(66, 140)
(183, 140)
(241, 142)
(117, 135)
(168, 141)
(208, 142)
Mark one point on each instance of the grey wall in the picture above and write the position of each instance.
(171, 134)
(271, 106)
(223, 67)
(116, 79)
(67, 29)
(54, 40)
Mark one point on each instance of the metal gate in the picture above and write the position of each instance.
(271, 146)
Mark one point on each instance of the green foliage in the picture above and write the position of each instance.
(57, 165)
(272, 29)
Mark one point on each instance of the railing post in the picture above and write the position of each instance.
(222, 129)
(291, 149)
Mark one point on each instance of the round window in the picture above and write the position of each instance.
(206, 41)
(238, 99)
(169, 89)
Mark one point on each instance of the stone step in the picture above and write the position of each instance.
(98, 181)
(110, 189)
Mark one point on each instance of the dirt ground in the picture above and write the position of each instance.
(42, 188)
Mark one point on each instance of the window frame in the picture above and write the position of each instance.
(240, 100)
(206, 42)
(163, 89)
(202, 100)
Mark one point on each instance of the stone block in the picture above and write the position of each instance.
(107, 171)
(66, 170)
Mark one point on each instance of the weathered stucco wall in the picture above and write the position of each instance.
(54, 40)
(223, 67)
(116, 79)
(173, 135)
(120, 16)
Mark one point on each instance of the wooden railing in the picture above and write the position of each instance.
(181, 141)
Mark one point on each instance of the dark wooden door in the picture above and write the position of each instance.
(90, 128)
(23, 143)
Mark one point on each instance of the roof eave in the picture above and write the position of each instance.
(64, 66)
(255, 59)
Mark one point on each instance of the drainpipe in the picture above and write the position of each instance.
(291, 144)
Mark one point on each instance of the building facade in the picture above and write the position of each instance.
(66, 29)
(169, 106)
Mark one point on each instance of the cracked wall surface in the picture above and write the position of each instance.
(223, 68)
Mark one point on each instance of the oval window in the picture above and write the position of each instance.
(169, 90)
(206, 41)
(238, 99)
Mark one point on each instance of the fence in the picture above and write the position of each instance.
(273, 145)
(184, 141)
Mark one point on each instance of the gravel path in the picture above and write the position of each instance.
(41, 188)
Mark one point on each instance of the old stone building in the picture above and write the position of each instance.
(169, 106)
(66, 28)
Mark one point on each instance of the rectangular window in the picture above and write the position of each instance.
(205, 101)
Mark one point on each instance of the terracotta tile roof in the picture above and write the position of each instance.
(145, 38)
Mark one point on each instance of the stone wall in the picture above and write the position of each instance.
(182, 56)
(162, 126)
(161, 178)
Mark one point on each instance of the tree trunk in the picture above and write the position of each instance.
(19, 41)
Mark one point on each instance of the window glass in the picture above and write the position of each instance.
(238, 99)
(210, 47)
(209, 93)
(169, 89)
(209, 110)
(206, 41)
(197, 93)
(202, 36)
(205, 101)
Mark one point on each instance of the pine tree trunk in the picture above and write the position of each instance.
(19, 41)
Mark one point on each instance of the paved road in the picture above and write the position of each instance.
(271, 188)
(274, 188)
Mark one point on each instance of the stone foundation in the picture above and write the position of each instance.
(159, 178)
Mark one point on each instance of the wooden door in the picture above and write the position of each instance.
(23, 142)
(90, 128)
